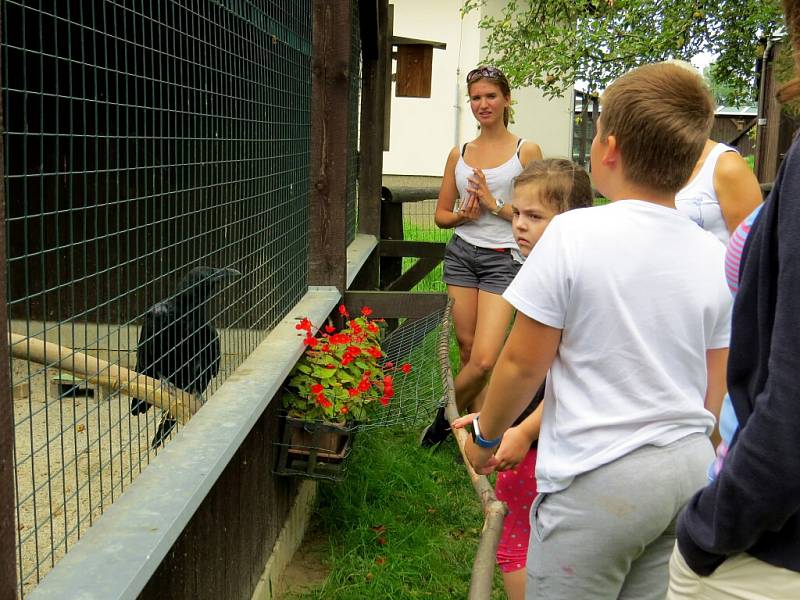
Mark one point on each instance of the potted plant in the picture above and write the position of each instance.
(342, 380)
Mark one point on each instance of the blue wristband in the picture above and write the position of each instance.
(479, 439)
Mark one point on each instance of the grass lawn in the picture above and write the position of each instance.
(404, 523)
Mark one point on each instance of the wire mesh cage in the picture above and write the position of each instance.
(142, 140)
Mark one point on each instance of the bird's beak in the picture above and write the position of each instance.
(226, 275)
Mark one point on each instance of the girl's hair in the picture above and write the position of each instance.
(495, 76)
(562, 184)
(791, 10)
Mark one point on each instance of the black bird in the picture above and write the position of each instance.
(177, 344)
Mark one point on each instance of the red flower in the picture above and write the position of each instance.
(352, 392)
(364, 385)
(323, 401)
(388, 380)
(304, 325)
(344, 410)
(325, 347)
(388, 391)
(366, 311)
(330, 366)
(375, 352)
(353, 351)
(346, 360)
(385, 400)
(343, 310)
(388, 365)
(310, 341)
(372, 328)
(406, 368)
(317, 388)
(339, 338)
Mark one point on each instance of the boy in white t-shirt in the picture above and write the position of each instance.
(626, 304)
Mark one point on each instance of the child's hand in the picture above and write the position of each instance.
(462, 422)
(477, 186)
(481, 459)
(513, 448)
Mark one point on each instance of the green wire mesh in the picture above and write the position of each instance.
(141, 139)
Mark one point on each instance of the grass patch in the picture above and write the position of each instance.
(404, 524)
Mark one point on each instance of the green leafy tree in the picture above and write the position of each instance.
(553, 43)
(723, 94)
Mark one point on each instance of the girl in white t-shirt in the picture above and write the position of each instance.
(475, 200)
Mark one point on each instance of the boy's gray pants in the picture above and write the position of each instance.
(611, 532)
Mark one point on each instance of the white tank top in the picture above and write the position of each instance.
(698, 200)
(488, 230)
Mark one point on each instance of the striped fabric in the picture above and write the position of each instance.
(733, 256)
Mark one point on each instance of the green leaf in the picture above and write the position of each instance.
(323, 373)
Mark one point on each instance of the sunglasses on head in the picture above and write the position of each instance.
(492, 72)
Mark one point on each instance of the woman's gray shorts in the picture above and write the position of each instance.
(487, 269)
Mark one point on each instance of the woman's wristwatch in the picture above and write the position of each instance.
(500, 204)
(479, 439)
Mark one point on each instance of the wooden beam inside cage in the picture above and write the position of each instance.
(181, 405)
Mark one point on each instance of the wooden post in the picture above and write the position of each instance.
(373, 90)
(373, 20)
(768, 121)
(391, 229)
(8, 530)
(387, 82)
(330, 102)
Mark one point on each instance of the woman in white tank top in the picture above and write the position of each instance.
(721, 192)
(475, 200)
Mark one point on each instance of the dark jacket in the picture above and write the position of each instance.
(754, 504)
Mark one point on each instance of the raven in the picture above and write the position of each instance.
(177, 344)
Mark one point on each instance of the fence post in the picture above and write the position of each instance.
(330, 94)
(8, 533)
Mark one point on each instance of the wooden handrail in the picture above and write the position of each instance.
(494, 511)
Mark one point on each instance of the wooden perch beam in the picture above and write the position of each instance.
(179, 404)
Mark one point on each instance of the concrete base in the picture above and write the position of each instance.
(288, 542)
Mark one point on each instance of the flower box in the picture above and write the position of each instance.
(343, 375)
(317, 450)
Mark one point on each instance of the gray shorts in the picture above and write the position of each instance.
(611, 532)
(487, 269)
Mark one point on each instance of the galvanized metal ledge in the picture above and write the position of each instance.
(121, 551)
(357, 254)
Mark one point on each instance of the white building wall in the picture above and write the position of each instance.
(423, 130)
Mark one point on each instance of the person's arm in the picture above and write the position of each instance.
(520, 370)
(528, 152)
(716, 387)
(444, 217)
(517, 441)
(737, 189)
(758, 488)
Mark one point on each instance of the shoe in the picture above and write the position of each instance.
(437, 432)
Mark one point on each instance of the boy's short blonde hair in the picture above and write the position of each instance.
(661, 116)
